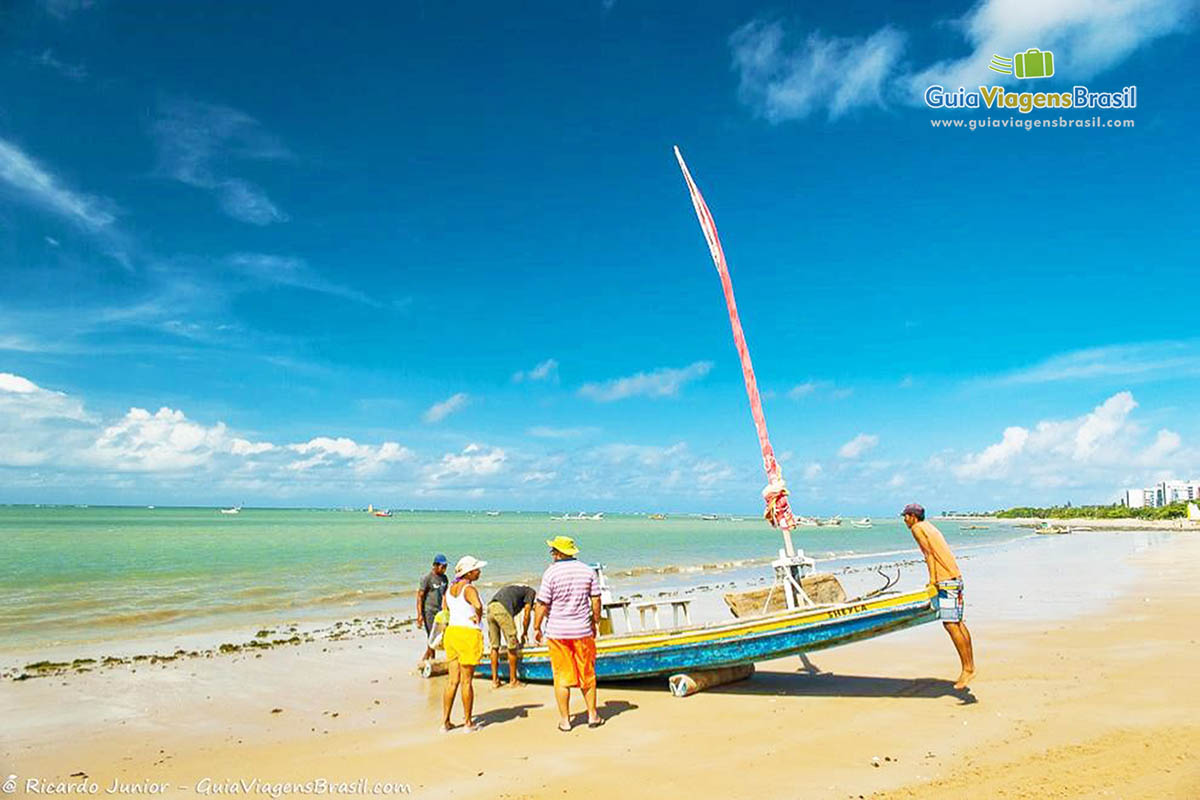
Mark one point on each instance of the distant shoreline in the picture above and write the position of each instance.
(1123, 524)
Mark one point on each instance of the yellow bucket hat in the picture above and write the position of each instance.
(564, 544)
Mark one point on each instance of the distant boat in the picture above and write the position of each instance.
(865, 522)
(657, 516)
(581, 517)
(382, 512)
(493, 513)
(234, 510)
(150, 508)
(809, 522)
(709, 517)
(974, 528)
(833, 521)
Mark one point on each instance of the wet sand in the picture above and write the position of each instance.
(1086, 689)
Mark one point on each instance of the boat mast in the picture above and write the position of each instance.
(791, 565)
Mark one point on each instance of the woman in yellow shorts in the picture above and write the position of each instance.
(463, 639)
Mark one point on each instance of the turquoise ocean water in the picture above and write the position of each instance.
(94, 575)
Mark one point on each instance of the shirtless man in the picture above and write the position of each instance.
(947, 577)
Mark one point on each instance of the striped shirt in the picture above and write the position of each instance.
(567, 589)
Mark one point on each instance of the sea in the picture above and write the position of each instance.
(97, 575)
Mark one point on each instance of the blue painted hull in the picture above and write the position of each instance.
(741, 642)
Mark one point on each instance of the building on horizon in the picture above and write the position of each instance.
(1163, 493)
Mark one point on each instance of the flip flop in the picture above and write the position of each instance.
(566, 729)
(595, 723)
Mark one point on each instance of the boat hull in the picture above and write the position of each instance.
(743, 641)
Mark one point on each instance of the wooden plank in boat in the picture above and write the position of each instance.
(822, 588)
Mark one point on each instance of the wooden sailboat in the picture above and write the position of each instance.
(808, 619)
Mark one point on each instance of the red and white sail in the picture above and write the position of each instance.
(778, 512)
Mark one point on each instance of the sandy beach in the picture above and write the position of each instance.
(1085, 690)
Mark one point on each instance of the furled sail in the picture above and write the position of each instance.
(778, 512)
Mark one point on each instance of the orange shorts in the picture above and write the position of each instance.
(573, 661)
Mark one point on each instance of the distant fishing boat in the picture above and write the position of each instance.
(833, 521)
(382, 512)
(865, 522)
(808, 522)
(492, 513)
(234, 510)
(657, 516)
(580, 517)
(709, 517)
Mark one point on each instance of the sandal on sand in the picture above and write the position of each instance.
(595, 723)
(566, 729)
(472, 728)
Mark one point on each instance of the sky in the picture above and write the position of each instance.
(440, 255)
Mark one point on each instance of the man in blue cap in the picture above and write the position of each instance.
(429, 598)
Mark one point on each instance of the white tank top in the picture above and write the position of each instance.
(462, 613)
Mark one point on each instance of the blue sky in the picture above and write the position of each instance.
(442, 257)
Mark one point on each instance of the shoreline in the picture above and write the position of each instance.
(704, 584)
(1060, 630)
(1125, 524)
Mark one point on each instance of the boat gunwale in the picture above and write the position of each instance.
(746, 626)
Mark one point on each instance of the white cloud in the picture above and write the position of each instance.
(1086, 36)
(995, 458)
(439, 411)
(473, 463)
(326, 451)
(36, 185)
(829, 74)
(547, 370)
(838, 74)
(196, 142)
(65, 8)
(165, 441)
(75, 72)
(813, 471)
(36, 424)
(244, 447)
(548, 432)
(294, 272)
(1144, 361)
(858, 445)
(801, 390)
(1104, 445)
(665, 382)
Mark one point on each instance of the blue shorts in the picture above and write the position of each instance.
(950, 600)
